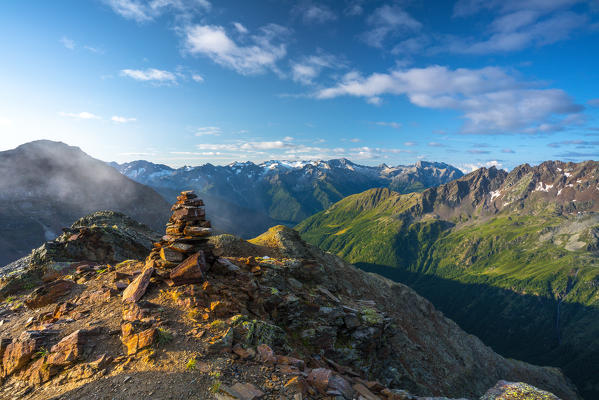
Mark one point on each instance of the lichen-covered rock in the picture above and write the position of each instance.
(103, 237)
(252, 332)
(517, 391)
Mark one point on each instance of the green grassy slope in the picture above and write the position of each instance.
(503, 276)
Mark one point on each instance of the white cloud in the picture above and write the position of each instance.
(354, 8)
(395, 125)
(388, 21)
(198, 78)
(218, 147)
(150, 74)
(314, 13)
(5, 121)
(80, 115)
(208, 131)
(95, 50)
(354, 140)
(376, 153)
(466, 8)
(517, 25)
(489, 98)
(68, 43)
(520, 30)
(240, 28)
(287, 149)
(266, 48)
(409, 144)
(122, 120)
(374, 100)
(277, 144)
(309, 68)
(147, 10)
(469, 167)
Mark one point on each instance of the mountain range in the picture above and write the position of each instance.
(280, 192)
(512, 257)
(47, 185)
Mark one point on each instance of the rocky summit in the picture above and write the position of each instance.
(218, 317)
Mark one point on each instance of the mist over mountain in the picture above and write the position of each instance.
(283, 192)
(45, 186)
(512, 257)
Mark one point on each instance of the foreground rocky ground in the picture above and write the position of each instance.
(270, 318)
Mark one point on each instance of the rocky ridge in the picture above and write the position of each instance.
(231, 319)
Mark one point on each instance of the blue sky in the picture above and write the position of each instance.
(185, 82)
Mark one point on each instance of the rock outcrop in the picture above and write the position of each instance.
(266, 319)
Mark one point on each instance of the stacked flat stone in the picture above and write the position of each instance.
(187, 232)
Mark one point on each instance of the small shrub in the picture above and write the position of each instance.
(215, 387)
(164, 337)
(43, 352)
(191, 364)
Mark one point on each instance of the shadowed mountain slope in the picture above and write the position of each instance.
(511, 257)
(46, 185)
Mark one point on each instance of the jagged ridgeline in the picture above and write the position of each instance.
(511, 257)
(193, 315)
(281, 192)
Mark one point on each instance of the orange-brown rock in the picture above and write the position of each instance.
(138, 341)
(49, 293)
(319, 378)
(190, 271)
(170, 255)
(63, 309)
(247, 391)
(244, 354)
(188, 213)
(365, 393)
(40, 371)
(137, 311)
(297, 384)
(197, 231)
(68, 350)
(101, 295)
(181, 247)
(266, 354)
(17, 355)
(286, 360)
(138, 287)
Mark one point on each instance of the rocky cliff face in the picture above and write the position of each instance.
(273, 317)
(45, 186)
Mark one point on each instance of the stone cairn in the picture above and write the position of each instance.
(185, 246)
